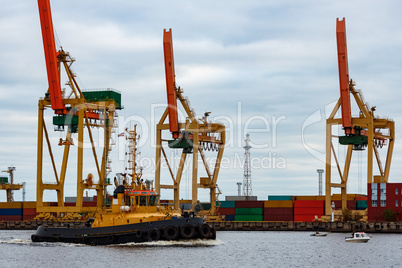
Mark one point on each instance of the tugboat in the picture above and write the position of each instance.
(134, 217)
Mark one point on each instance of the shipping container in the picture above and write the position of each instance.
(306, 197)
(29, 211)
(249, 204)
(235, 198)
(10, 205)
(280, 198)
(320, 197)
(361, 204)
(28, 217)
(89, 204)
(225, 204)
(249, 211)
(278, 211)
(230, 217)
(361, 197)
(274, 217)
(249, 217)
(278, 204)
(10, 217)
(11, 211)
(339, 197)
(29, 205)
(350, 204)
(206, 206)
(226, 211)
(305, 218)
(308, 211)
(309, 203)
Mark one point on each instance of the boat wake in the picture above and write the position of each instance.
(178, 243)
(161, 243)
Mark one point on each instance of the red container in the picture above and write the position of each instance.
(276, 217)
(351, 204)
(28, 217)
(304, 217)
(29, 211)
(278, 211)
(10, 217)
(249, 204)
(69, 204)
(309, 203)
(309, 211)
(227, 211)
(361, 198)
(89, 204)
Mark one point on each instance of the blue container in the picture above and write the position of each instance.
(279, 197)
(11, 211)
(229, 217)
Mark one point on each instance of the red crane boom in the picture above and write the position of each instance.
(49, 47)
(170, 83)
(344, 76)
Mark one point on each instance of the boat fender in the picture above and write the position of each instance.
(125, 208)
(204, 231)
(187, 231)
(34, 238)
(153, 234)
(213, 233)
(112, 238)
(139, 234)
(171, 233)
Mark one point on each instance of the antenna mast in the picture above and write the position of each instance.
(247, 191)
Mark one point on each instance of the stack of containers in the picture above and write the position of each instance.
(227, 209)
(249, 210)
(29, 211)
(361, 202)
(307, 210)
(351, 202)
(11, 211)
(278, 210)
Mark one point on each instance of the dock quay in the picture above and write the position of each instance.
(341, 227)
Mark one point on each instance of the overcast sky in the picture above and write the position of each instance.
(268, 68)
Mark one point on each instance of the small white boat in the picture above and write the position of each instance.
(319, 234)
(358, 237)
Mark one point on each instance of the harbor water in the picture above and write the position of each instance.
(231, 249)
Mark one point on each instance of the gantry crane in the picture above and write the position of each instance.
(193, 136)
(9, 187)
(77, 112)
(364, 131)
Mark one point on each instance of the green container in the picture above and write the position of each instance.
(249, 211)
(225, 204)
(361, 204)
(206, 206)
(103, 95)
(249, 217)
(354, 140)
(279, 197)
(3, 179)
(180, 144)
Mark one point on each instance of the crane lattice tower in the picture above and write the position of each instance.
(247, 191)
